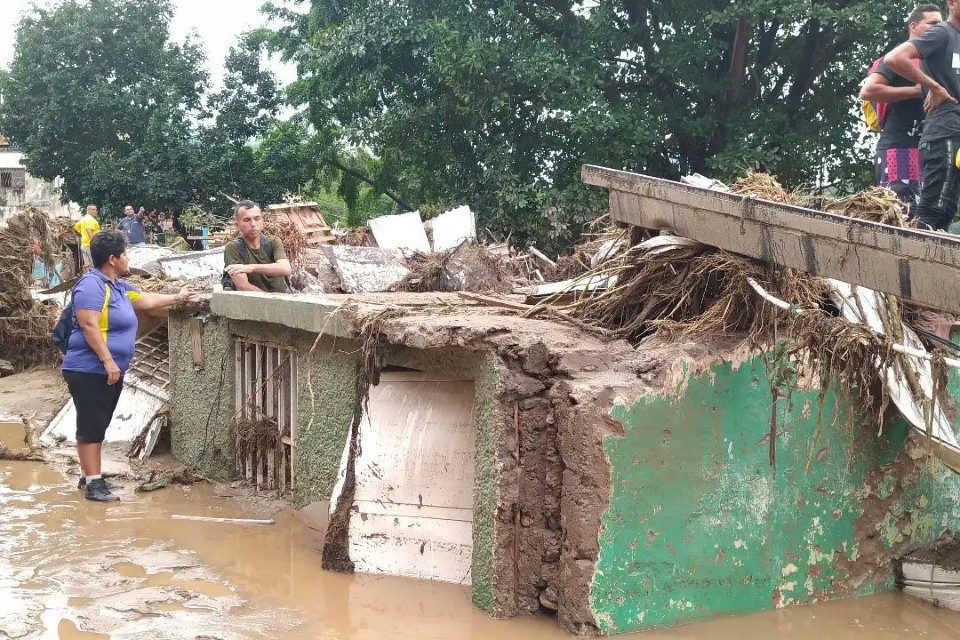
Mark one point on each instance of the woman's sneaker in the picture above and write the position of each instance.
(98, 491)
(82, 484)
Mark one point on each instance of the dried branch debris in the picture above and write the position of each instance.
(25, 324)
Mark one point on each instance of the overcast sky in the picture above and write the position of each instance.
(218, 22)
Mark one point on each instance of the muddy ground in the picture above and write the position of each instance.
(39, 392)
(72, 569)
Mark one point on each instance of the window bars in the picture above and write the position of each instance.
(266, 418)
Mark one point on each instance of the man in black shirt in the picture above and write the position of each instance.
(897, 154)
(939, 47)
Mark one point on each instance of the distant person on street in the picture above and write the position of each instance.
(132, 226)
(87, 227)
(101, 347)
(939, 48)
(897, 154)
(254, 261)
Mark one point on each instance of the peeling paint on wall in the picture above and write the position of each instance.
(699, 522)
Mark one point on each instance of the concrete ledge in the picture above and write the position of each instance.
(315, 314)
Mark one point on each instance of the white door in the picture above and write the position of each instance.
(413, 506)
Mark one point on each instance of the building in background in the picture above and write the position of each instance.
(17, 187)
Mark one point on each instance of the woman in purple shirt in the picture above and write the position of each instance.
(101, 347)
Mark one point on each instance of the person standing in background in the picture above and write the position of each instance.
(132, 226)
(897, 153)
(939, 48)
(87, 227)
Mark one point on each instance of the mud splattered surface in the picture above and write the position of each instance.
(39, 392)
(71, 569)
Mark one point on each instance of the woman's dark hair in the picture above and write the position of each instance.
(106, 244)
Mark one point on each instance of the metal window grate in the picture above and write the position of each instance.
(266, 399)
(6, 180)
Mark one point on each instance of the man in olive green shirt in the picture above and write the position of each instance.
(254, 261)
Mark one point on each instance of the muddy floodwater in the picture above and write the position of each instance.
(72, 569)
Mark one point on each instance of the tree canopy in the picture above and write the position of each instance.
(100, 95)
(498, 103)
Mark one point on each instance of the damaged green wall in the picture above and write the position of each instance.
(699, 522)
(202, 395)
(327, 398)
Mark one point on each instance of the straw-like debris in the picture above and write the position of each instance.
(469, 267)
(763, 186)
(359, 237)
(256, 435)
(690, 290)
(25, 324)
(877, 204)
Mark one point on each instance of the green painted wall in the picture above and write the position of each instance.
(326, 394)
(326, 412)
(202, 397)
(699, 523)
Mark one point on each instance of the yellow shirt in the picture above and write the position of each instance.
(87, 227)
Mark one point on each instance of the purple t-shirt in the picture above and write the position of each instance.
(118, 323)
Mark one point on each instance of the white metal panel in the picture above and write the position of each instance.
(193, 264)
(414, 479)
(403, 231)
(135, 409)
(454, 227)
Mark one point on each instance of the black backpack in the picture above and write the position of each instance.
(60, 336)
(242, 250)
(64, 327)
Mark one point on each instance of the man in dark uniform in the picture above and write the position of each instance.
(254, 261)
(897, 154)
(939, 48)
(132, 226)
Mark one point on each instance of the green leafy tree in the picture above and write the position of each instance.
(498, 103)
(98, 94)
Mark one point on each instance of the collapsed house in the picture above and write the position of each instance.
(563, 457)
(554, 466)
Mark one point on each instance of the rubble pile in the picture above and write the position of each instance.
(469, 267)
(678, 288)
(25, 324)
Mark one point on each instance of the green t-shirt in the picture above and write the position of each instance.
(233, 255)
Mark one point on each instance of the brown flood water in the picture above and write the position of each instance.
(71, 569)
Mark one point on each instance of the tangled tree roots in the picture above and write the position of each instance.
(256, 435)
(692, 291)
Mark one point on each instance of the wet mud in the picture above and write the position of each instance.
(71, 569)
